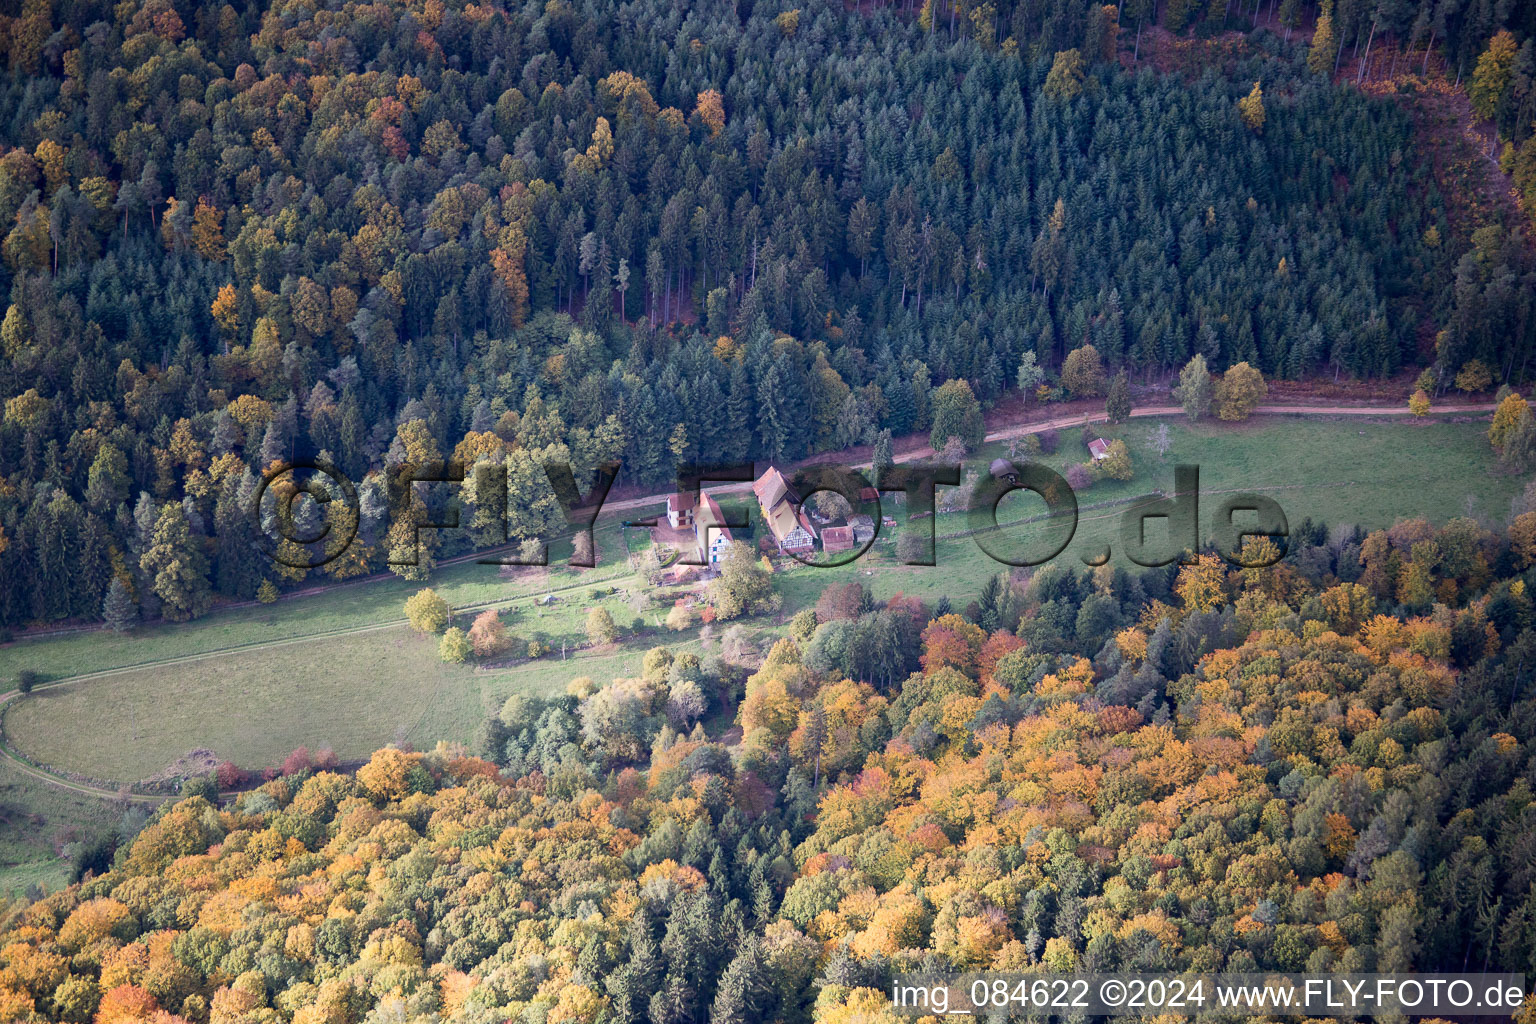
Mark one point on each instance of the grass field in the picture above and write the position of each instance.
(339, 608)
(356, 691)
(352, 693)
(1343, 472)
(36, 821)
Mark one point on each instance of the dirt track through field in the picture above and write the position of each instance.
(1059, 423)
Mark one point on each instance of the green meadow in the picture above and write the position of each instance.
(341, 669)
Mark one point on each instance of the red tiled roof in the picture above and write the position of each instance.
(771, 488)
(837, 538)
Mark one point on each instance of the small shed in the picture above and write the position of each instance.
(1098, 448)
(1002, 469)
(837, 538)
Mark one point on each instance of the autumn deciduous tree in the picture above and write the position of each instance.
(1505, 417)
(1418, 405)
(507, 262)
(1065, 80)
(1325, 44)
(1202, 583)
(1083, 372)
(881, 788)
(1474, 376)
(124, 1003)
(226, 309)
(841, 601)
(1519, 452)
(1116, 463)
(1252, 109)
(176, 566)
(487, 634)
(601, 628)
(711, 110)
(1522, 538)
(391, 773)
(950, 641)
(25, 409)
(207, 232)
(454, 647)
(426, 611)
(1347, 606)
(1491, 78)
(1338, 836)
(1239, 392)
(743, 585)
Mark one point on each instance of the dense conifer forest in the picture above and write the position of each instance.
(391, 232)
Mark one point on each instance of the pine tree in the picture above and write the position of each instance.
(861, 232)
(1118, 405)
(1048, 259)
(119, 611)
(737, 441)
(987, 603)
(631, 987)
(745, 988)
(882, 458)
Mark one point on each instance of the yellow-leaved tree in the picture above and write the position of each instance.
(1066, 77)
(1504, 419)
(1325, 43)
(1239, 392)
(711, 110)
(1202, 584)
(426, 611)
(1252, 109)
